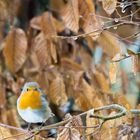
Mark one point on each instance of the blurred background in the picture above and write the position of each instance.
(83, 53)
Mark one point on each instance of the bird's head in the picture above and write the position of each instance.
(30, 96)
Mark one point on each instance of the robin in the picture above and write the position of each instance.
(32, 105)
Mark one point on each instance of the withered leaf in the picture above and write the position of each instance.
(53, 50)
(90, 122)
(5, 132)
(131, 52)
(86, 96)
(57, 92)
(113, 67)
(35, 23)
(81, 101)
(3, 10)
(109, 129)
(49, 31)
(15, 49)
(135, 63)
(77, 122)
(13, 119)
(109, 6)
(118, 57)
(102, 81)
(69, 13)
(109, 43)
(2, 93)
(47, 25)
(90, 94)
(122, 100)
(69, 133)
(70, 64)
(88, 20)
(42, 50)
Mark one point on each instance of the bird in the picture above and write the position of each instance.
(32, 104)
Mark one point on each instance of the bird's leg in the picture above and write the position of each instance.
(29, 126)
(42, 124)
(52, 115)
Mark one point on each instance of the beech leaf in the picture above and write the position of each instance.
(57, 91)
(109, 43)
(88, 21)
(69, 13)
(109, 6)
(15, 49)
(42, 50)
(135, 64)
(113, 72)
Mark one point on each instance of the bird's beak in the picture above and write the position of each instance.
(32, 88)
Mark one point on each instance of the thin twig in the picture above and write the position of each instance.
(125, 57)
(122, 111)
(17, 135)
(13, 127)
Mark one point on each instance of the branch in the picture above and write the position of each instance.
(125, 57)
(122, 112)
(13, 127)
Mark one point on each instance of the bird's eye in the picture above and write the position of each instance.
(27, 89)
(36, 89)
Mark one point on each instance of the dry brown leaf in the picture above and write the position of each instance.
(59, 25)
(118, 57)
(77, 122)
(131, 52)
(109, 6)
(88, 19)
(86, 59)
(69, 64)
(53, 51)
(123, 126)
(15, 49)
(3, 10)
(135, 64)
(77, 78)
(125, 82)
(42, 79)
(3, 115)
(102, 81)
(8, 9)
(81, 101)
(90, 122)
(113, 67)
(121, 99)
(69, 13)
(86, 96)
(4, 133)
(42, 22)
(42, 50)
(109, 44)
(90, 94)
(57, 92)
(109, 129)
(49, 30)
(69, 133)
(50, 139)
(35, 23)
(13, 119)
(47, 25)
(2, 93)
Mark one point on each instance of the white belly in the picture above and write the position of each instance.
(33, 116)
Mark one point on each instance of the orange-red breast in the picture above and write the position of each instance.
(32, 105)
